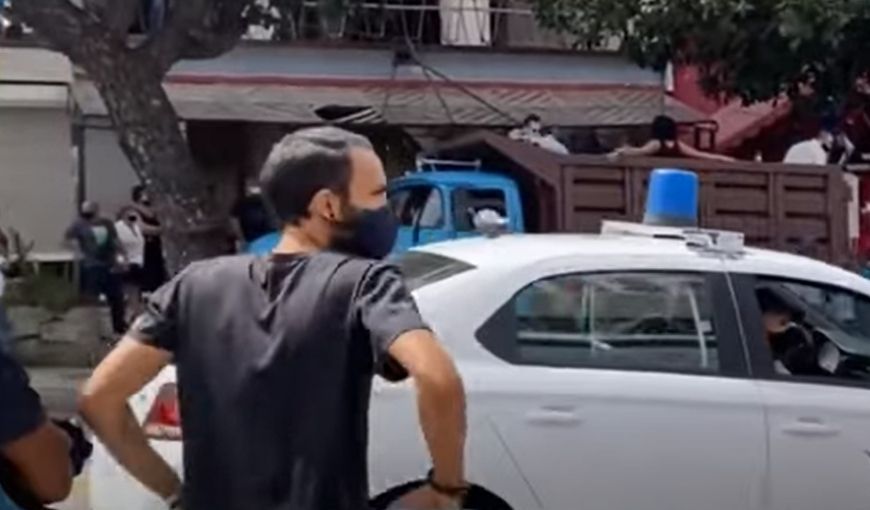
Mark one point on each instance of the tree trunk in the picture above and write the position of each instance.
(130, 83)
(194, 220)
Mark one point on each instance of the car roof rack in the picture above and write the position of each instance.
(718, 241)
(423, 163)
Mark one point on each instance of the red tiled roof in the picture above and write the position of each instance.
(738, 123)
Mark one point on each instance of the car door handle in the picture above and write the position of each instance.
(810, 428)
(559, 416)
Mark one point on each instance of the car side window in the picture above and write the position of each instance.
(421, 204)
(816, 330)
(634, 320)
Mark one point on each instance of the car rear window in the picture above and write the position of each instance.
(422, 268)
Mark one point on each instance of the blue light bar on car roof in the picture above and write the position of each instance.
(672, 198)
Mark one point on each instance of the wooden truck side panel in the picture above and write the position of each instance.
(793, 208)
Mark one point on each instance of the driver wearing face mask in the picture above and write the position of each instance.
(792, 347)
(275, 354)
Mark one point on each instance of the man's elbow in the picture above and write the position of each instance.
(445, 383)
(92, 404)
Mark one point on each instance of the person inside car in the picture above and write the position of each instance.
(792, 346)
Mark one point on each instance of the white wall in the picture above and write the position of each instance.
(108, 176)
(37, 175)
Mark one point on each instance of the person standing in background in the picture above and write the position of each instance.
(251, 219)
(132, 242)
(813, 151)
(832, 146)
(154, 267)
(98, 248)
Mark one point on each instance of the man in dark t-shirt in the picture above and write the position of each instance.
(35, 463)
(275, 355)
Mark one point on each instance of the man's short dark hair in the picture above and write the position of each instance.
(664, 128)
(770, 302)
(302, 164)
(137, 193)
(532, 118)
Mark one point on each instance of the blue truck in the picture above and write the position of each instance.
(777, 206)
(438, 202)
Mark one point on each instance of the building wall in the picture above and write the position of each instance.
(467, 66)
(108, 176)
(37, 175)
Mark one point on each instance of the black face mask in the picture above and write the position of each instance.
(88, 216)
(369, 233)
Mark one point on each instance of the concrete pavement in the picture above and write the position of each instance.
(58, 388)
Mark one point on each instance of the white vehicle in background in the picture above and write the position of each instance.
(616, 372)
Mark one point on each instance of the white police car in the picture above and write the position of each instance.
(619, 371)
(622, 371)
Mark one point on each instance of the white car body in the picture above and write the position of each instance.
(598, 438)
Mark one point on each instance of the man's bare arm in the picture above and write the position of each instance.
(103, 404)
(42, 459)
(440, 400)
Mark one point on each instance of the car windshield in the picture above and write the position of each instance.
(423, 268)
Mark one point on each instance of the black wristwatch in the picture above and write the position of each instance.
(457, 492)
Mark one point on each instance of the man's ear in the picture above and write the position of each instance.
(325, 204)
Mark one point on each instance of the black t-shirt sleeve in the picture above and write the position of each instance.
(158, 325)
(20, 409)
(386, 310)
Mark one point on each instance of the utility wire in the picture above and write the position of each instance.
(448, 80)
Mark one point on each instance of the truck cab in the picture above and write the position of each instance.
(438, 205)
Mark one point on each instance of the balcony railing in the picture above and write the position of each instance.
(495, 23)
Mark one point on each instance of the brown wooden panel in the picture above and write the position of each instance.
(739, 178)
(778, 206)
(591, 174)
(598, 196)
(817, 182)
(590, 223)
(744, 200)
(805, 203)
(751, 227)
(804, 228)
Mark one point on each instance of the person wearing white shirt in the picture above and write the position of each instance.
(810, 152)
(817, 151)
(132, 241)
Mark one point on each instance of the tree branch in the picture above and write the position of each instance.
(117, 15)
(64, 26)
(197, 29)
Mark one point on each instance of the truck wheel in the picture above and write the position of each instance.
(478, 498)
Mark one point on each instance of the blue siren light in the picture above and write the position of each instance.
(672, 198)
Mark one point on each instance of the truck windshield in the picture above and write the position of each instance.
(421, 268)
(468, 202)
